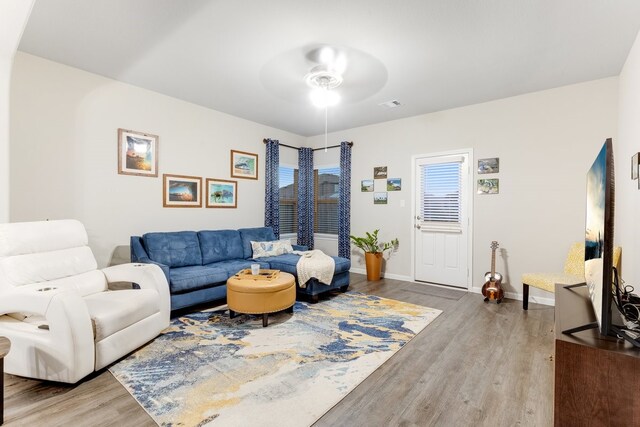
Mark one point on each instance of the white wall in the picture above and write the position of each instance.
(13, 18)
(64, 155)
(546, 142)
(627, 210)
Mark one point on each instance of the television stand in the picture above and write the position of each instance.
(594, 374)
(585, 327)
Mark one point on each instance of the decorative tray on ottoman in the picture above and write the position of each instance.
(264, 274)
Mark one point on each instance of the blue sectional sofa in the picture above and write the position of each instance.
(198, 264)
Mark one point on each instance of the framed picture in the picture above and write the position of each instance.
(488, 186)
(180, 191)
(244, 165)
(394, 184)
(379, 172)
(634, 167)
(222, 193)
(491, 165)
(366, 185)
(380, 198)
(137, 153)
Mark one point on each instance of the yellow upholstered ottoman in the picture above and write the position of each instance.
(250, 296)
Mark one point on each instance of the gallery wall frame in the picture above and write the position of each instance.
(181, 191)
(379, 172)
(394, 184)
(244, 165)
(366, 185)
(489, 165)
(137, 153)
(489, 186)
(222, 193)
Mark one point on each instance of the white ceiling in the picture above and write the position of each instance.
(247, 58)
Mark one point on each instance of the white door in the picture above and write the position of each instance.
(441, 219)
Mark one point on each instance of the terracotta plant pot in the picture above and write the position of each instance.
(373, 261)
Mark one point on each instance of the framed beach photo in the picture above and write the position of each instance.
(491, 165)
(379, 172)
(244, 165)
(180, 191)
(394, 184)
(137, 153)
(488, 186)
(222, 193)
(366, 185)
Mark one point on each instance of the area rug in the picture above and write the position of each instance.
(209, 370)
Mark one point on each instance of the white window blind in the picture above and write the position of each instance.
(288, 184)
(327, 194)
(440, 185)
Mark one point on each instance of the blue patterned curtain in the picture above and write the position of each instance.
(272, 186)
(305, 197)
(344, 205)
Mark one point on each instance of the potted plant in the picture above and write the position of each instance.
(373, 251)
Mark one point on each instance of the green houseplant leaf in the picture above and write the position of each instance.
(369, 243)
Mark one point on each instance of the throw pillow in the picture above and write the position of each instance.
(273, 248)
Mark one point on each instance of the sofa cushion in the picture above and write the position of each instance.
(232, 266)
(288, 263)
(274, 248)
(175, 249)
(258, 234)
(220, 245)
(186, 279)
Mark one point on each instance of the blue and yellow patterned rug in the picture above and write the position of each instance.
(209, 370)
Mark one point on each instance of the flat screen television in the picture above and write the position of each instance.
(598, 245)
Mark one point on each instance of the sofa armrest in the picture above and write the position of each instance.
(147, 276)
(300, 247)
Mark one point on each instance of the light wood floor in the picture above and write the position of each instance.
(477, 364)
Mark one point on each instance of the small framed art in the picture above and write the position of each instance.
(244, 165)
(181, 191)
(222, 193)
(366, 185)
(380, 198)
(394, 184)
(491, 165)
(488, 186)
(379, 172)
(137, 153)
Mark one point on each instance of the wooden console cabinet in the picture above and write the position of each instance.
(597, 379)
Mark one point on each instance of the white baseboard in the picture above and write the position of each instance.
(383, 275)
(518, 296)
(512, 295)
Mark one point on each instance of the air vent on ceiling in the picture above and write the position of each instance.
(391, 104)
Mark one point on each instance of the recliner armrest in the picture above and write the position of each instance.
(69, 337)
(145, 275)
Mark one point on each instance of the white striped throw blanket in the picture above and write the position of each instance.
(316, 264)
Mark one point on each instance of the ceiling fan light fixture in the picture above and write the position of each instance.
(322, 98)
(322, 76)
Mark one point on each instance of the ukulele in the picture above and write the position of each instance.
(491, 288)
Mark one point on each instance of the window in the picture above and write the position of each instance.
(440, 185)
(288, 199)
(326, 193)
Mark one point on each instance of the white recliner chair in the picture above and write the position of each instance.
(57, 310)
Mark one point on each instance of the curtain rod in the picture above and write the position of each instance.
(350, 144)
